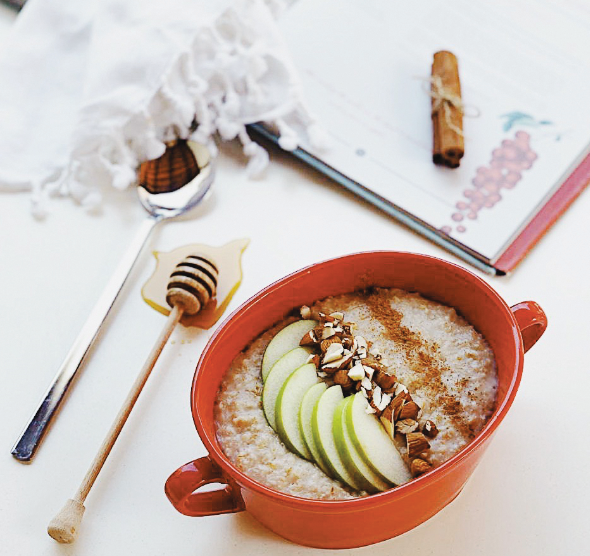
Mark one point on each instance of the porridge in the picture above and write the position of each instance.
(427, 378)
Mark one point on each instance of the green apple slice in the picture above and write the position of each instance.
(277, 376)
(288, 407)
(374, 444)
(352, 459)
(285, 340)
(322, 426)
(305, 415)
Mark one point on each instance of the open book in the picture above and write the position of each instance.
(524, 69)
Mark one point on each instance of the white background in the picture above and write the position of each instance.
(529, 496)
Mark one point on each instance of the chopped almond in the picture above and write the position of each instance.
(383, 379)
(315, 359)
(309, 339)
(429, 429)
(342, 363)
(409, 410)
(406, 426)
(341, 377)
(305, 312)
(327, 343)
(347, 341)
(327, 333)
(357, 372)
(416, 443)
(374, 363)
(396, 405)
(388, 413)
(333, 353)
(419, 466)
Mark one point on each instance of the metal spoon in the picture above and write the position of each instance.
(160, 206)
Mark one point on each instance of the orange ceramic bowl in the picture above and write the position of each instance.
(510, 331)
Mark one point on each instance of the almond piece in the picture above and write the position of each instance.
(399, 387)
(342, 378)
(325, 344)
(339, 364)
(305, 312)
(347, 341)
(318, 332)
(348, 327)
(388, 413)
(327, 333)
(315, 359)
(375, 407)
(368, 371)
(361, 342)
(334, 352)
(396, 405)
(419, 466)
(416, 443)
(374, 363)
(310, 339)
(376, 398)
(383, 379)
(429, 429)
(385, 400)
(357, 372)
(315, 314)
(406, 426)
(409, 410)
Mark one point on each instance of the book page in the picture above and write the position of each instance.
(365, 69)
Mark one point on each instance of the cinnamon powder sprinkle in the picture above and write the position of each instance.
(424, 359)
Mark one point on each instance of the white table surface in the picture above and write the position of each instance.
(529, 496)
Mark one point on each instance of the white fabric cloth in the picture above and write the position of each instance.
(89, 89)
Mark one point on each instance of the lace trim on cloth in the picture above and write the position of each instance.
(237, 71)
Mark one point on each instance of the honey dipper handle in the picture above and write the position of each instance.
(68, 520)
(31, 437)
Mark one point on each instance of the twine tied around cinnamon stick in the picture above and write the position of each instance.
(444, 99)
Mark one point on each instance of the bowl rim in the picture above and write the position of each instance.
(233, 474)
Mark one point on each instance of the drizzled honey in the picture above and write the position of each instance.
(227, 259)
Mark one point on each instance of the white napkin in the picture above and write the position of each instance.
(91, 88)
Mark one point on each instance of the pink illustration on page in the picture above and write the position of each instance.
(504, 171)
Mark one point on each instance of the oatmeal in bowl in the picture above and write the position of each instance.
(350, 401)
(392, 359)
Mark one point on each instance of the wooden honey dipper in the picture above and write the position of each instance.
(192, 284)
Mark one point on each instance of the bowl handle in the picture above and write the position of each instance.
(531, 320)
(181, 486)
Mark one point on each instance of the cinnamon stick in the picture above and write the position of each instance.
(447, 111)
